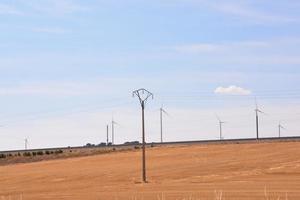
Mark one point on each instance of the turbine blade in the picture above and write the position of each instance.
(283, 127)
(256, 106)
(218, 118)
(165, 112)
(114, 122)
(261, 112)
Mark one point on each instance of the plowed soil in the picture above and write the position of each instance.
(190, 172)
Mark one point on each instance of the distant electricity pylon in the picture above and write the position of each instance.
(161, 122)
(26, 143)
(257, 120)
(279, 129)
(220, 126)
(143, 96)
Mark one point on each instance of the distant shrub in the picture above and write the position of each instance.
(40, 153)
(2, 156)
(102, 144)
(10, 155)
(132, 143)
(90, 145)
(114, 149)
(34, 153)
(136, 147)
(51, 152)
(58, 151)
(19, 154)
(47, 152)
(27, 154)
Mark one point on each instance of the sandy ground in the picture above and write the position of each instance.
(235, 171)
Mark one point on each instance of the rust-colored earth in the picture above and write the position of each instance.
(230, 171)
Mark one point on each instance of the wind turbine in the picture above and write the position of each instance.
(257, 120)
(26, 143)
(113, 123)
(220, 125)
(279, 129)
(107, 132)
(162, 111)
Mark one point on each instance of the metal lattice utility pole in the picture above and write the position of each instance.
(143, 96)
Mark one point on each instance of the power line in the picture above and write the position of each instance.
(90, 110)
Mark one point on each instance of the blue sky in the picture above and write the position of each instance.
(67, 66)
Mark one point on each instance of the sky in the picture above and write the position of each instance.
(67, 67)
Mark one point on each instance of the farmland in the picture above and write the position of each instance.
(256, 170)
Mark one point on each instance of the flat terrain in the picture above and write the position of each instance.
(235, 171)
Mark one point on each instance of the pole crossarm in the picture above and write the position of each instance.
(143, 95)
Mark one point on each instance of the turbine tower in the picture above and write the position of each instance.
(113, 123)
(26, 143)
(107, 132)
(162, 111)
(257, 110)
(220, 126)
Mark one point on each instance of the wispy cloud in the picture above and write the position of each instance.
(196, 48)
(275, 51)
(55, 7)
(51, 30)
(253, 13)
(232, 90)
(9, 10)
(45, 7)
(218, 47)
(58, 88)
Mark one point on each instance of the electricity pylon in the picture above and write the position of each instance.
(143, 96)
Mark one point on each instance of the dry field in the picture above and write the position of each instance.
(229, 171)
